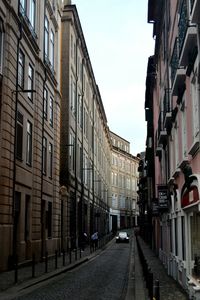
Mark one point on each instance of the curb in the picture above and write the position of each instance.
(12, 292)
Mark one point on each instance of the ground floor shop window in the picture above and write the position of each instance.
(195, 244)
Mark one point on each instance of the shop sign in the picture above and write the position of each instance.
(162, 197)
(190, 197)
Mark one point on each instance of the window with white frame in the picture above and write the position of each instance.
(21, 64)
(27, 9)
(29, 143)
(51, 49)
(184, 128)
(44, 155)
(195, 106)
(45, 104)
(30, 82)
(72, 151)
(72, 95)
(51, 111)
(50, 160)
(176, 145)
(49, 44)
(114, 201)
(46, 38)
(19, 135)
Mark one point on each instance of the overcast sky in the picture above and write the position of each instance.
(119, 41)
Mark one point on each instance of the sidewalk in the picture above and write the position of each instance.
(9, 289)
(169, 288)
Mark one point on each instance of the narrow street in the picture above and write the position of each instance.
(104, 277)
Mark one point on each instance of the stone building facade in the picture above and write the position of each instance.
(85, 140)
(124, 179)
(55, 144)
(30, 129)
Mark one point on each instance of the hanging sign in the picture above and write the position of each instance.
(162, 197)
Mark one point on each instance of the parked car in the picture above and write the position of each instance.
(122, 237)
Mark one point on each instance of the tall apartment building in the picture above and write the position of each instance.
(174, 102)
(124, 180)
(85, 140)
(29, 129)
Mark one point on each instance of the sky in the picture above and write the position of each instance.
(119, 41)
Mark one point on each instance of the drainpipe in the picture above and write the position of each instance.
(15, 143)
(42, 175)
(75, 152)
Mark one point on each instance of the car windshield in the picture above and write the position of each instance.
(123, 234)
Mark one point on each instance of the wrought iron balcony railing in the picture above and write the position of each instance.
(182, 25)
(174, 61)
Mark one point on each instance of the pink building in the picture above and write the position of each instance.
(174, 99)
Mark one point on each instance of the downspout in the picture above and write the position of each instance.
(81, 154)
(75, 151)
(15, 143)
(42, 175)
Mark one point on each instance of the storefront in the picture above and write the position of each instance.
(190, 203)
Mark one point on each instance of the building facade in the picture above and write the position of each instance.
(30, 129)
(55, 145)
(173, 99)
(124, 179)
(85, 140)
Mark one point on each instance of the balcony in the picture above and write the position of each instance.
(190, 42)
(194, 148)
(167, 110)
(179, 81)
(176, 173)
(159, 151)
(162, 132)
(195, 11)
(187, 35)
(178, 74)
(183, 162)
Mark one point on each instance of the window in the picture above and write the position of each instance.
(46, 38)
(49, 44)
(44, 156)
(50, 160)
(29, 144)
(27, 10)
(19, 136)
(45, 103)
(195, 108)
(51, 52)
(51, 111)
(21, 61)
(184, 129)
(1, 45)
(30, 82)
(23, 7)
(32, 13)
(72, 152)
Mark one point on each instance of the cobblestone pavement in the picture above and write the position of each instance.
(169, 288)
(24, 274)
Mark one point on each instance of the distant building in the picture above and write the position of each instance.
(124, 179)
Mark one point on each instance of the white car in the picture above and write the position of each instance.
(122, 237)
